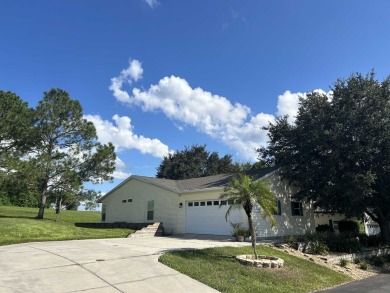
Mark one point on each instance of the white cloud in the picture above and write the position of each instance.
(231, 123)
(211, 114)
(122, 136)
(288, 103)
(151, 3)
(120, 169)
(128, 75)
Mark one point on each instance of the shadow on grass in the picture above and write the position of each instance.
(33, 217)
(122, 225)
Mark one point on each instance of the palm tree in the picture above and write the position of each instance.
(244, 192)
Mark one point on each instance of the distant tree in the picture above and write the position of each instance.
(67, 153)
(194, 162)
(338, 150)
(18, 187)
(16, 121)
(243, 192)
(16, 138)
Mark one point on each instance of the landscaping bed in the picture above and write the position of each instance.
(356, 267)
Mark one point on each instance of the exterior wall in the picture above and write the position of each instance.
(167, 208)
(166, 204)
(323, 219)
(371, 227)
(286, 223)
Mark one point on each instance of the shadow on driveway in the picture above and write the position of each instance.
(377, 284)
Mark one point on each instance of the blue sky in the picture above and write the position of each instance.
(155, 76)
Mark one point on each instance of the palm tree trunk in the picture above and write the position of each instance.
(253, 233)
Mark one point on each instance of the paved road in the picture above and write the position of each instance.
(377, 284)
(97, 266)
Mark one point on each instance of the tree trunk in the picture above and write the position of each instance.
(253, 233)
(58, 205)
(385, 230)
(42, 206)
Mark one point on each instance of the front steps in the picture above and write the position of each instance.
(155, 229)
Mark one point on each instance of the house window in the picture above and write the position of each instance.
(216, 202)
(190, 204)
(278, 210)
(196, 203)
(130, 200)
(150, 214)
(210, 203)
(123, 201)
(202, 203)
(296, 208)
(104, 207)
(223, 202)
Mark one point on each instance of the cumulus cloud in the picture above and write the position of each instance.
(288, 103)
(214, 115)
(120, 169)
(232, 123)
(151, 3)
(128, 75)
(122, 136)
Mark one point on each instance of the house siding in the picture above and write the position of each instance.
(286, 223)
(166, 205)
(167, 208)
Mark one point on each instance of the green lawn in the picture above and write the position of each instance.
(217, 268)
(18, 225)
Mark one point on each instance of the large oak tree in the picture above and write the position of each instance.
(338, 150)
(194, 162)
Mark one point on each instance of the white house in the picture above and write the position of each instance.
(194, 206)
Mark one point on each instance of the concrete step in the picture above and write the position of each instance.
(155, 229)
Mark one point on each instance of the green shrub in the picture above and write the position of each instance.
(343, 262)
(349, 227)
(387, 258)
(377, 261)
(289, 239)
(363, 266)
(343, 243)
(324, 228)
(317, 247)
(370, 241)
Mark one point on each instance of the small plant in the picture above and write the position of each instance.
(357, 260)
(235, 228)
(363, 265)
(241, 232)
(317, 247)
(343, 262)
(289, 239)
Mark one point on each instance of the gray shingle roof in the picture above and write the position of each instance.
(188, 185)
(215, 181)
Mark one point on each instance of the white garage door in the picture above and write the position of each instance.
(206, 217)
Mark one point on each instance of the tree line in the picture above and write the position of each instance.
(49, 152)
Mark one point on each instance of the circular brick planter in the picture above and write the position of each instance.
(262, 261)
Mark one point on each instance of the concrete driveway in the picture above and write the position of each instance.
(103, 265)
